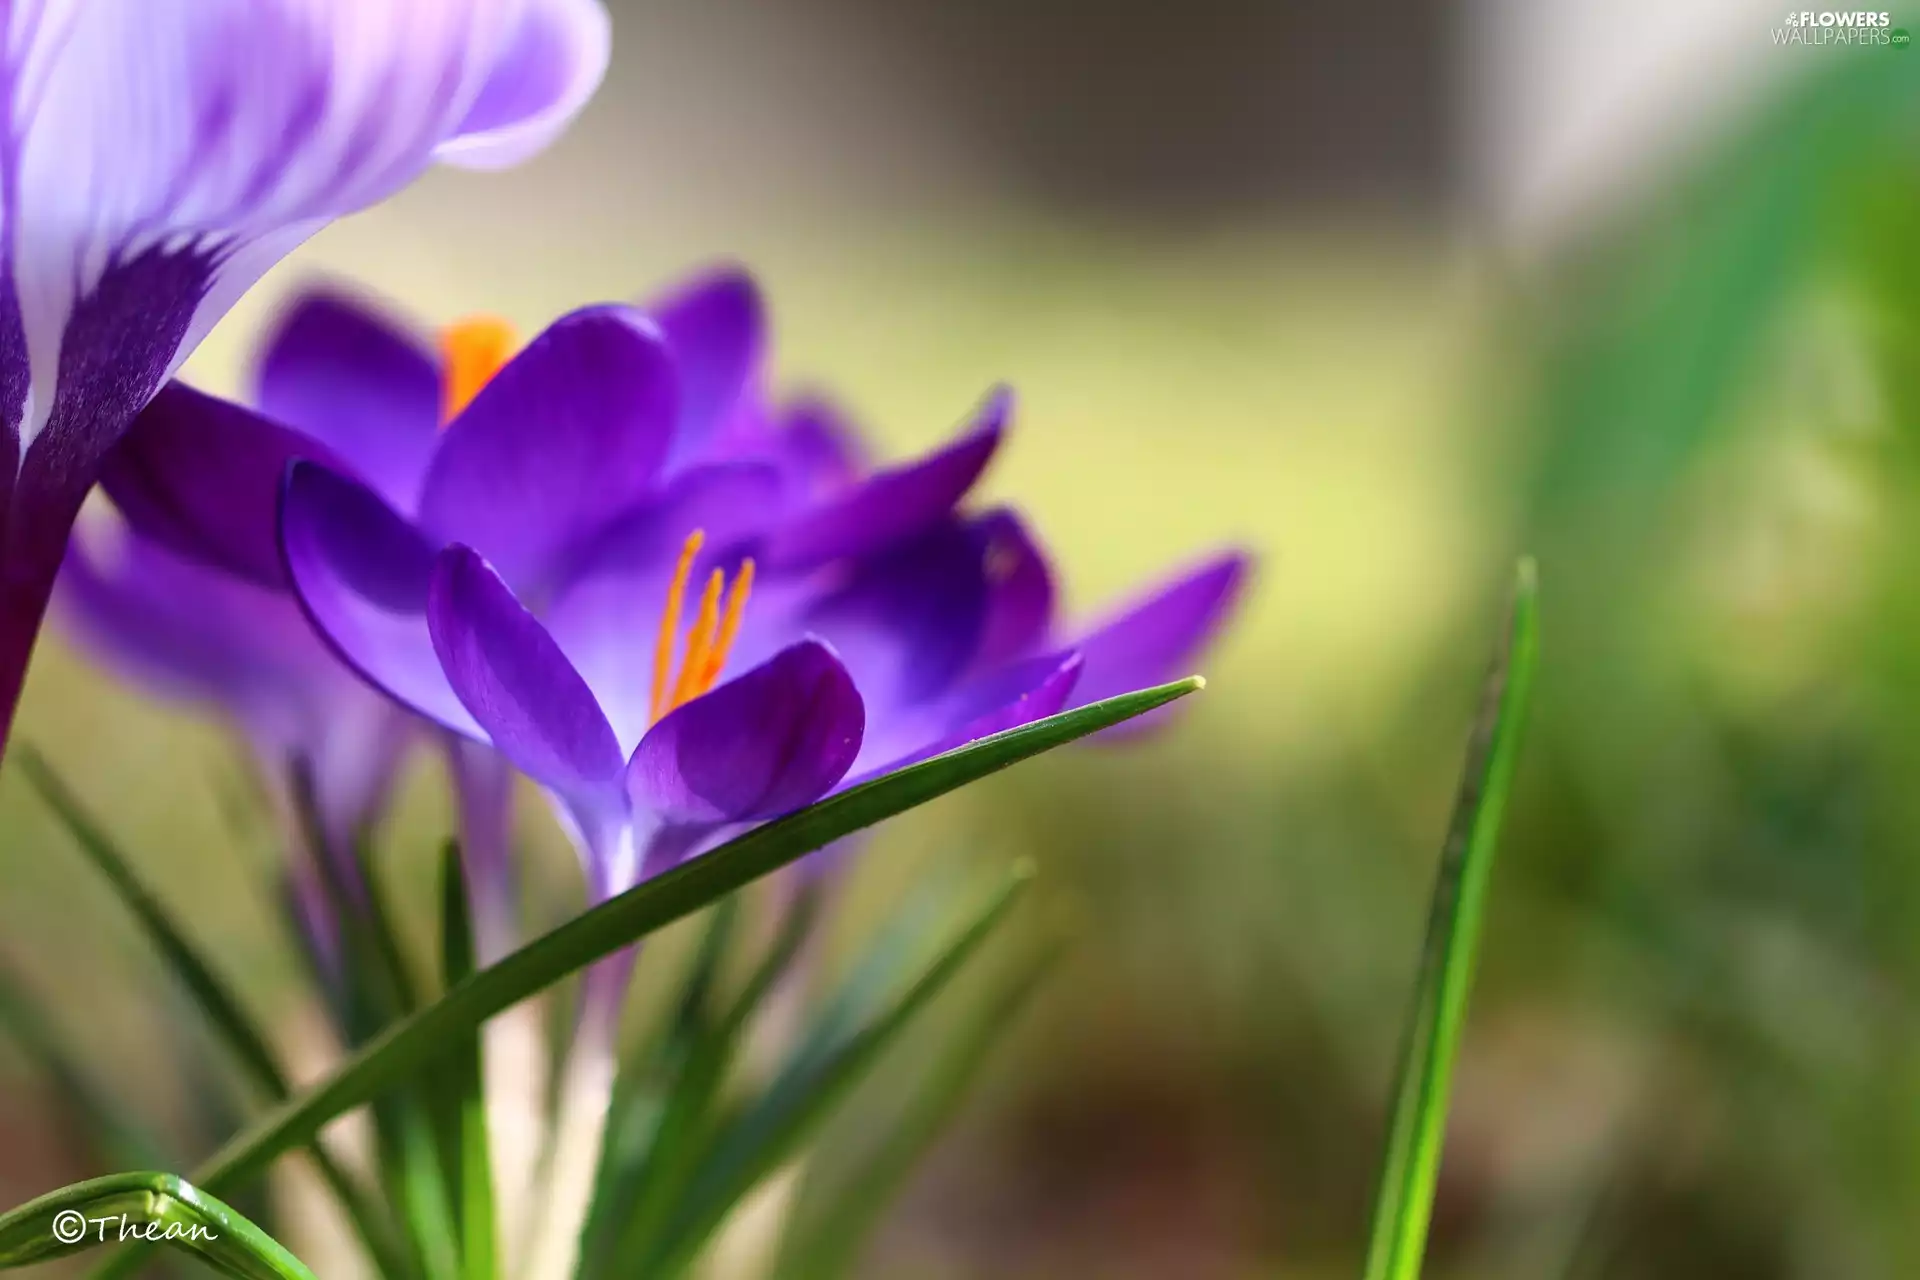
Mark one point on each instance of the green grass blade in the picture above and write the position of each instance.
(223, 1012)
(143, 1206)
(699, 1063)
(775, 1126)
(215, 999)
(651, 1090)
(409, 1045)
(417, 1184)
(830, 1240)
(113, 1135)
(471, 1155)
(1403, 1202)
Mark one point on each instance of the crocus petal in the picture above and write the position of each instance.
(362, 573)
(717, 329)
(731, 503)
(202, 476)
(568, 435)
(897, 503)
(553, 63)
(816, 447)
(519, 686)
(168, 137)
(355, 761)
(160, 157)
(185, 631)
(1020, 591)
(767, 743)
(605, 613)
(1015, 695)
(344, 373)
(1159, 639)
(907, 622)
(189, 632)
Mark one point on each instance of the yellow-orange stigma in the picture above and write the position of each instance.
(472, 350)
(714, 627)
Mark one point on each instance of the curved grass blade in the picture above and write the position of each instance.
(156, 1207)
(215, 999)
(223, 1011)
(850, 1038)
(408, 1045)
(829, 1244)
(1403, 1202)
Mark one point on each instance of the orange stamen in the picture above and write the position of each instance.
(472, 350)
(693, 667)
(730, 623)
(670, 624)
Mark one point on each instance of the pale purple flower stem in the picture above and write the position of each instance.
(483, 797)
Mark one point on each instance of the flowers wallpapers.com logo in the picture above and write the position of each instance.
(1856, 28)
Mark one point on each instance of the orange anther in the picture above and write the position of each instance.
(729, 624)
(472, 350)
(706, 624)
(670, 624)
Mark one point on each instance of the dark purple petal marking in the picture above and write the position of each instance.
(1160, 638)
(763, 744)
(896, 503)
(117, 344)
(568, 435)
(202, 476)
(345, 373)
(18, 622)
(16, 374)
(362, 573)
(515, 680)
(717, 329)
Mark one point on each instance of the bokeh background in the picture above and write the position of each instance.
(1389, 293)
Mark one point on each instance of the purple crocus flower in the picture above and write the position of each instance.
(532, 596)
(678, 606)
(522, 578)
(158, 155)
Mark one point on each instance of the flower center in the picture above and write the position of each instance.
(714, 627)
(472, 350)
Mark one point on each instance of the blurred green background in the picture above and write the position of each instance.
(1389, 312)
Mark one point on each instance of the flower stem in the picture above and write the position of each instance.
(586, 1095)
(29, 565)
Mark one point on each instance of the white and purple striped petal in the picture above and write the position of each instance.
(157, 155)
